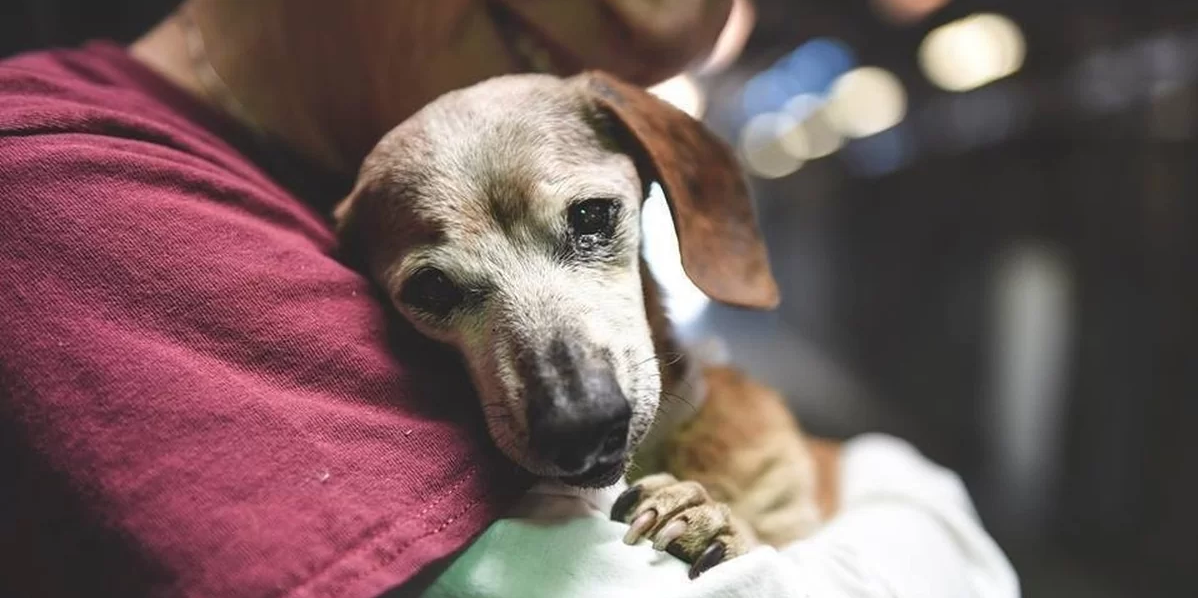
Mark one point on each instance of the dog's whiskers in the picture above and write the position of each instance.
(666, 359)
(686, 384)
(645, 361)
(673, 358)
(680, 399)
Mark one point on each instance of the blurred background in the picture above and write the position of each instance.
(984, 218)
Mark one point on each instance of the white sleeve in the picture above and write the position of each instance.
(906, 529)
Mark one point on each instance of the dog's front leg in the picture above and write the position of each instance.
(681, 518)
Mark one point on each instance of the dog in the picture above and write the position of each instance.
(503, 220)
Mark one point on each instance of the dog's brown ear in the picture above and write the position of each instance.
(348, 226)
(722, 249)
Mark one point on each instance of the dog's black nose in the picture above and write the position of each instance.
(577, 415)
(580, 439)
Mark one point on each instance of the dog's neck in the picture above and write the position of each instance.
(682, 382)
(681, 399)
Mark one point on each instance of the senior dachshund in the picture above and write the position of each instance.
(503, 219)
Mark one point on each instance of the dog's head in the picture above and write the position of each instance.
(503, 219)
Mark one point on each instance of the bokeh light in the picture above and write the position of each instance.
(762, 148)
(822, 138)
(814, 136)
(866, 101)
(972, 52)
(808, 70)
(814, 66)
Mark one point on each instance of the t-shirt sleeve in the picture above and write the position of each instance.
(198, 399)
(907, 530)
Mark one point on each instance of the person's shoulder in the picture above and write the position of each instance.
(86, 114)
(95, 89)
(52, 91)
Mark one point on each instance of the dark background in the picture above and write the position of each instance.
(892, 282)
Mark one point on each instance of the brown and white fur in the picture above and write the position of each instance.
(503, 220)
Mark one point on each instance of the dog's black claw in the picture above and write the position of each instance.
(711, 557)
(675, 550)
(624, 503)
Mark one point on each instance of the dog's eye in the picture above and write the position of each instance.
(592, 217)
(430, 290)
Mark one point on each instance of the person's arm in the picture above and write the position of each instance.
(904, 528)
(197, 399)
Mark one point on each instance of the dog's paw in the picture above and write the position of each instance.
(682, 519)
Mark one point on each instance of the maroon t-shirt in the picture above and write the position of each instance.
(196, 397)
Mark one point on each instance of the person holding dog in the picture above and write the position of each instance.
(198, 399)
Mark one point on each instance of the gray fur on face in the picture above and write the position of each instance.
(477, 185)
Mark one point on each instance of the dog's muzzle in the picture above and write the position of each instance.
(577, 415)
